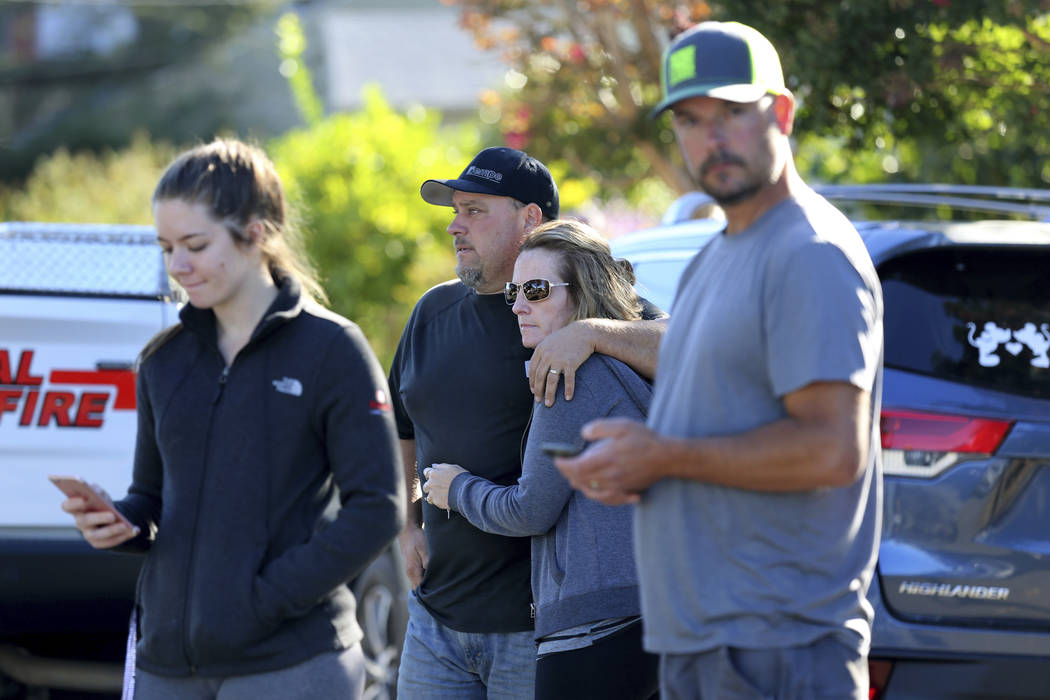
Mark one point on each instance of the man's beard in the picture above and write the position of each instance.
(745, 191)
(470, 276)
(728, 199)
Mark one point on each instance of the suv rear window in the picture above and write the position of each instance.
(974, 314)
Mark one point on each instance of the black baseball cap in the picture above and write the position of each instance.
(726, 60)
(500, 171)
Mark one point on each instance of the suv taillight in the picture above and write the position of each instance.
(878, 676)
(916, 443)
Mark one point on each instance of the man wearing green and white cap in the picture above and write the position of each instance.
(758, 475)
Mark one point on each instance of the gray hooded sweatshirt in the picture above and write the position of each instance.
(583, 566)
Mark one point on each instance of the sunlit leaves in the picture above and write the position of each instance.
(356, 178)
(591, 69)
(928, 90)
(966, 85)
(111, 187)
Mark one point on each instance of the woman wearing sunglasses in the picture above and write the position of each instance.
(584, 582)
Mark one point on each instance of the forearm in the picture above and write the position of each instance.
(511, 511)
(413, 497)
(786, 455)
(635, 343)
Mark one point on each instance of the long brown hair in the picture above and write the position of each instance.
(238, 184)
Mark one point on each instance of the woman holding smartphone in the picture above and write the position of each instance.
(584, 582)
(266, 470)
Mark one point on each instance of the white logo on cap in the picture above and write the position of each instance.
(485, 174)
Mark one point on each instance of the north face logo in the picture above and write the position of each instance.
(287, 385)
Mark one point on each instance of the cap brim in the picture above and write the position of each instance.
(744, 93)
(439, 192)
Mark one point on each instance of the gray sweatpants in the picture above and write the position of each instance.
(824, 670)
(330, 675)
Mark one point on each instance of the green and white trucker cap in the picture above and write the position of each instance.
(726, 60)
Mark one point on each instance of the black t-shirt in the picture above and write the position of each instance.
(460, 391)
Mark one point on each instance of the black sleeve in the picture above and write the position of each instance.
(650, 311)
(405, 428)
(142, 505)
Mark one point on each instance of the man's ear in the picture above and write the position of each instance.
(533, 215)
(784, 109)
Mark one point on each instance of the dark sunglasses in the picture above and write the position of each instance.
(534, 290)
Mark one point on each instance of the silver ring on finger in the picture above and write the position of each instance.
(555, 371)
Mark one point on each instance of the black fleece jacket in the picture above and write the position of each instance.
(261, 489)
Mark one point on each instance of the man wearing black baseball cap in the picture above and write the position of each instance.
(758, 473)
(502, 195)
(461, 395)
(502, 172)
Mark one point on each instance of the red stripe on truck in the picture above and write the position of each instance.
(122, 379)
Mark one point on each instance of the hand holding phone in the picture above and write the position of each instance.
(94, 500)
(561, 449)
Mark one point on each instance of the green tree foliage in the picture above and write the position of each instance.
(291, 46)
(96, 99)
(355, 179)
(918, 90)
(914, 90)
(112, 187)
(587, 72)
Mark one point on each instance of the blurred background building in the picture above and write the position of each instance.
(90, 73)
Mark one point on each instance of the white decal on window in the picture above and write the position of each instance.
(1038, 340)
(988, 342)
(992, 336)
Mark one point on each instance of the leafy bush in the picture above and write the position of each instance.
(355, 179)
(113, 187)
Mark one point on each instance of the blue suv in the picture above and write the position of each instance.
(962, 589)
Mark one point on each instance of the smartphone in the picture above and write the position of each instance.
(561, 449)
(74, 486)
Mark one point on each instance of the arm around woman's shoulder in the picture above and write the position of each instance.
(635, 343)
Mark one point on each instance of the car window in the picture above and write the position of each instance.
(973, 314)
(657, 280)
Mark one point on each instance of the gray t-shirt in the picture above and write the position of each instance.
(792, 300)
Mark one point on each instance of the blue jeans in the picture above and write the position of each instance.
(439, 662)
